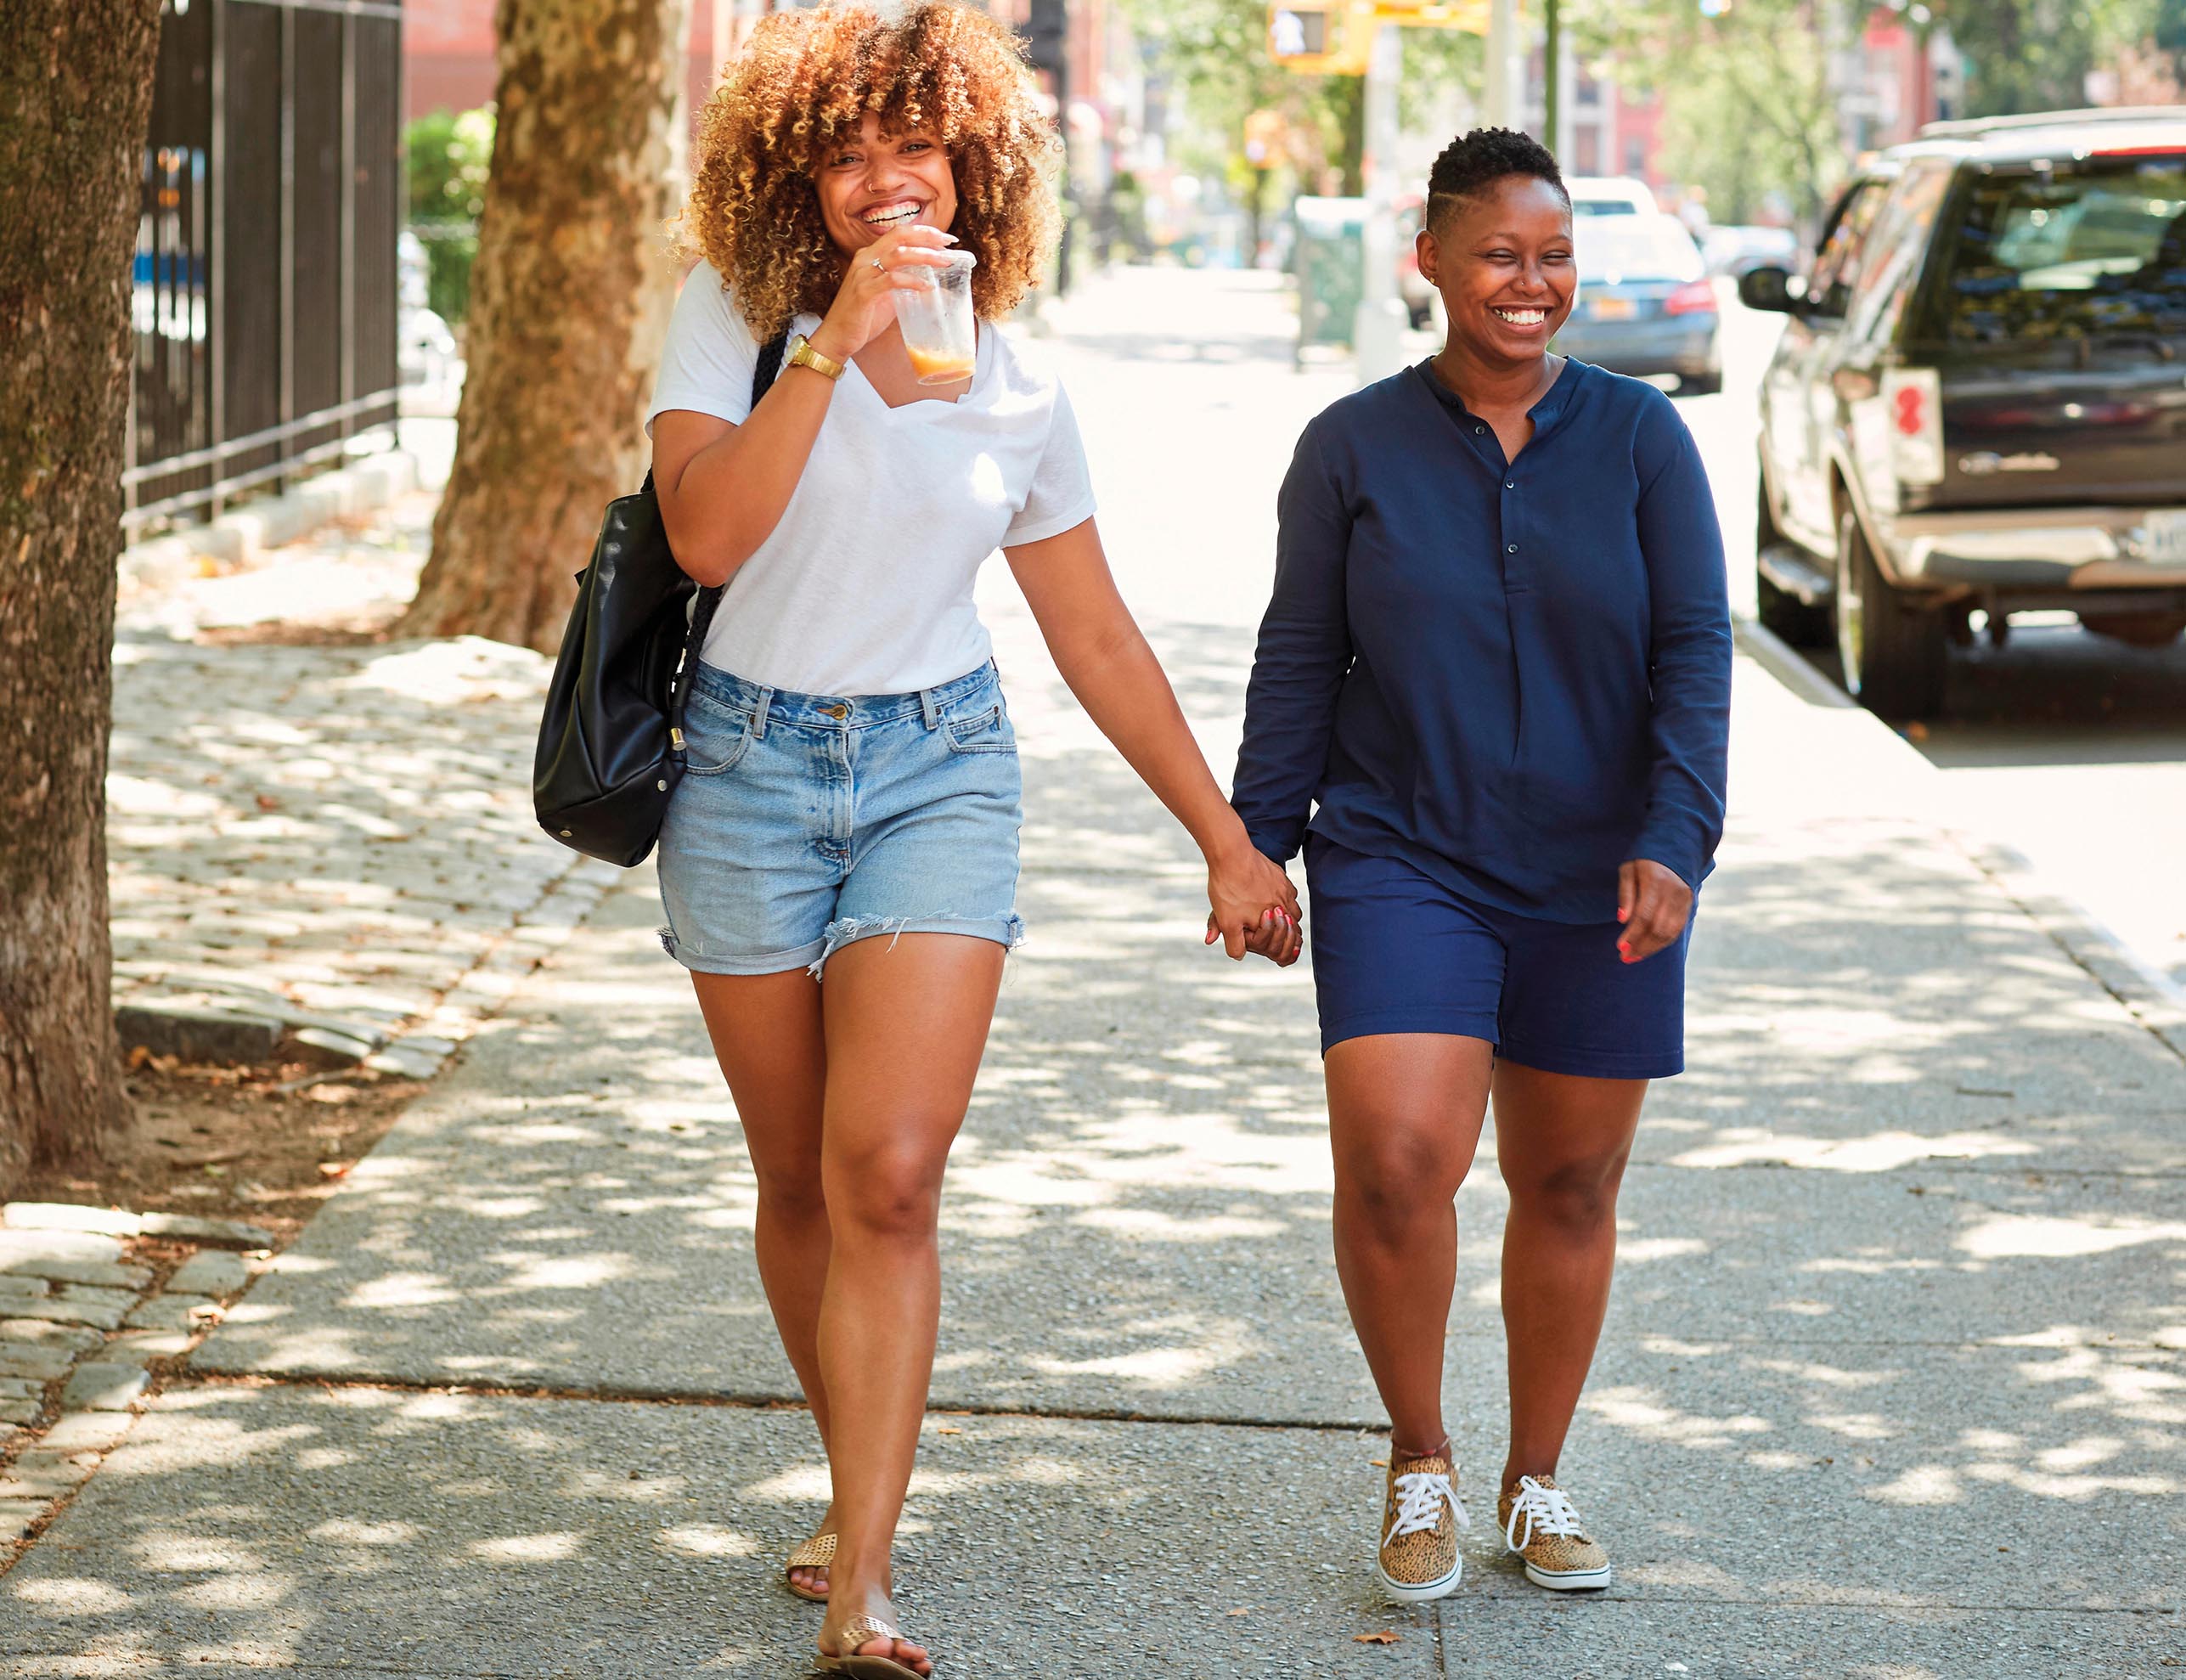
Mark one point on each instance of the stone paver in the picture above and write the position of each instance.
(210, 1272)
(327, 838)
(97, 1385)
(66, 1284)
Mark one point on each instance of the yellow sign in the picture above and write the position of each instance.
(1335, 37)
(1469, 15)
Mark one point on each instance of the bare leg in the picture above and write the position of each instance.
(767, 1035)
(1562, 1142)
(906, 1023)
(1404, 1118)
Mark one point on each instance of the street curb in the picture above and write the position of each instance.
(240, 538)
(2156, 1002)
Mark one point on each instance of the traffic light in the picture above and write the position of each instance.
(1297, 31)
(1321, 37)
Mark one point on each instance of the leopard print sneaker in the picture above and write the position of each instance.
(1420, 1520)
(1540, 1526)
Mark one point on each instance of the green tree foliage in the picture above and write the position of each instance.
(1214, 52)
(1748, 111)
(2028, 55)
(450, 153)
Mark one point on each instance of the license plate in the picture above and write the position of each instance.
(1614, 309)
(2165, 543)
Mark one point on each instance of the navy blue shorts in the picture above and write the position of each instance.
(1396, 951)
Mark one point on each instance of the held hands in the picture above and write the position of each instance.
(1652, 904)
(1255, 908)
(865, 305)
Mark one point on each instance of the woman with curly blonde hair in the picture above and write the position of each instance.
(852, 770)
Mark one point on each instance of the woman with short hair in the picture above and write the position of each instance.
(1498, 661)
(851, 803)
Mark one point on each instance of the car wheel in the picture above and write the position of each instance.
(1784, 616)
(1700, 385)
(1894, 651)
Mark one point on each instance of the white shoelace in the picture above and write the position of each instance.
(1421, 1496)
(1546, 1510)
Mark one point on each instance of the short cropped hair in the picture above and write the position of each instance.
(1472, 163)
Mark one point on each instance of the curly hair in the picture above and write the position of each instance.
(1471, 162)
(807, 79)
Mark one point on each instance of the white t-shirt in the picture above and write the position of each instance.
(865, 587)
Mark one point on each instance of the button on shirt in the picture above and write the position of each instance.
(1515, 673)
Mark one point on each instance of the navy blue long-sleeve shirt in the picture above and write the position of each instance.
(1515, 674)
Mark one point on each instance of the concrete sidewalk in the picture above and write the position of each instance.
(1894, 1382)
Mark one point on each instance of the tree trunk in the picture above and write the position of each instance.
(568, 307)
(75, 95)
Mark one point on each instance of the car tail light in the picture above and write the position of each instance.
(1694, 297)
(1913, 400)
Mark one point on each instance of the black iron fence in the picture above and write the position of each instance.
(265, 281)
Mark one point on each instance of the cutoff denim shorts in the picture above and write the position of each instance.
(804, 822)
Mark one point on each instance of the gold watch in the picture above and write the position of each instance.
(803, 355)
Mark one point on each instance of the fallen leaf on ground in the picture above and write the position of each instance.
(1241, 1610)
(267, 802)
(1381, 1463)
(1384, 1637)
(947, 1430)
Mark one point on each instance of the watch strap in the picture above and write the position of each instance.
(803, 355)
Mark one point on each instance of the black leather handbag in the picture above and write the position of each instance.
(611, 740)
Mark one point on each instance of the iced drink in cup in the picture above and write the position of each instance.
(937, 318)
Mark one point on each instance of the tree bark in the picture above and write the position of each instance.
(568, 308)
(75, 95)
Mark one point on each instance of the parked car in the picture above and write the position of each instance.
(1645, 305)
(1611, 195)
(1729, 249)
(1978, 401)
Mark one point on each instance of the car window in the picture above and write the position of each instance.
(1837, 265)
(1603, 207)
(1610, 250)
(2097, 245)
(1894, 246)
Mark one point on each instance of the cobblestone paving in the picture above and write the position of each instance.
(338, 839)
(94, 1303)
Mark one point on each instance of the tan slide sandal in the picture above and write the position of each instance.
(816, 1554)
(863, 1630)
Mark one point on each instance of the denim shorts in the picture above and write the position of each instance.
(804, 822)
(1396, 951)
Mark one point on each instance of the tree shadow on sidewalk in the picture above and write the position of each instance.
(1895, 1336)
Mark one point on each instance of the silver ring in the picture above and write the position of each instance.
(882, 266)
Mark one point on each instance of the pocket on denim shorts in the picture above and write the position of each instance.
(716, 738)
(986, 729)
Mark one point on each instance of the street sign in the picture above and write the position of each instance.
(1335, 37)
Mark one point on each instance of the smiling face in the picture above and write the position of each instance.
(1502, 262)
(874, 184)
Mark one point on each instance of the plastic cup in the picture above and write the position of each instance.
(937, 319)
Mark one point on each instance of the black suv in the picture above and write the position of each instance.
(1979, 398)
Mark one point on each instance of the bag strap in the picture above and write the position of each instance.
(702, 606)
